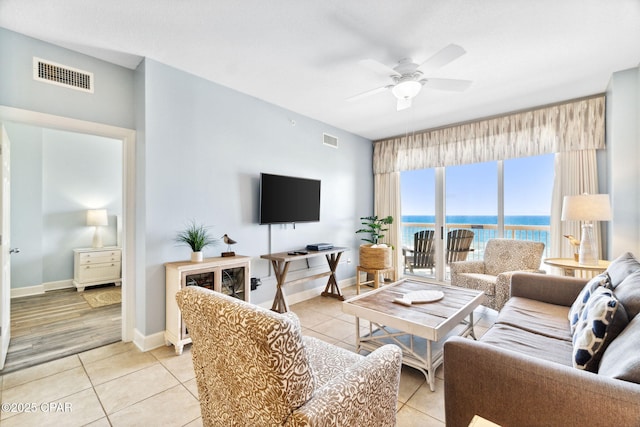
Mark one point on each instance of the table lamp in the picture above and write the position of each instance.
(97, 218)
(587, 208)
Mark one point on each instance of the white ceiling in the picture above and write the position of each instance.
(304, 55)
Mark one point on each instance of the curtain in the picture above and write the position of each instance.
(575, 173)
(387, 202)
(570, 126)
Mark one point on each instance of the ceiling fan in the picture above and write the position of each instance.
(408, 77)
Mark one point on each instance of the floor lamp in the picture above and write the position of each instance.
(587, 208)
(97, 218)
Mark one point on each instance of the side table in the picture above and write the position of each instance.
(570, 266)
(376, 276)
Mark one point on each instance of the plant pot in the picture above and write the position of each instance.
(376, 258)
(197, 256)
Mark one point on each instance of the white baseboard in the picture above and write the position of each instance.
(146, 343)
(41, 289)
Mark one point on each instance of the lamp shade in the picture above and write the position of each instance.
(586, 207)
(97, 217)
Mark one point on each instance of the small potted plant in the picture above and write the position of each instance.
(375, 255)
(197, 237)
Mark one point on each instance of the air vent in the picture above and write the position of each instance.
(61, 75)
(330, 140)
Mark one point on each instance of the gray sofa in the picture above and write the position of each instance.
(526, 369)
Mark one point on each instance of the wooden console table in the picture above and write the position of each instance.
(570, 266)
(281, 262)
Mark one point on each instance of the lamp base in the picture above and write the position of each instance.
(588, 254)
(97, 238)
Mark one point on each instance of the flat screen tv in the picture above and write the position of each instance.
(287, 199)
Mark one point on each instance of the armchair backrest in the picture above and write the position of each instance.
(501, 255)
(250, 363)
(423, 249)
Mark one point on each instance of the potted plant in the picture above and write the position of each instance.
(197, 237)
(375, 255)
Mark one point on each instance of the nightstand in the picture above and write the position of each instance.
(96, 266)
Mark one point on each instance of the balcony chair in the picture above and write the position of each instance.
(502, 258)
(422, 254)
(459, 245)
(254, 368)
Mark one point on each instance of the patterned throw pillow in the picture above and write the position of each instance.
(602, 319)
(601, 280)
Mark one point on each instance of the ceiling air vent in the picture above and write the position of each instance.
(330, 140)
(61, 75)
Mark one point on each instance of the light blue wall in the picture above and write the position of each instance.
(55, 177)
(111, 103)
(205, 146)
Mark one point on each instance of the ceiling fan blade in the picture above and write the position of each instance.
(403, 104)
(369, 93)
(443, 57)
(453, 85)
(379, 67)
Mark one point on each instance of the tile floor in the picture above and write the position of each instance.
(118, 385)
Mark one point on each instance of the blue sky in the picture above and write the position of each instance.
(472, 189)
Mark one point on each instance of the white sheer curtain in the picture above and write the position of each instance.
(387, 202)
(576, 173)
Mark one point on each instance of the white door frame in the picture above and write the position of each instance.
(128, 138)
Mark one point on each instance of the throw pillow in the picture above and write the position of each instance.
(628, 293)
(601, 321)
(621, 267)
(621, 360)
(578, 305)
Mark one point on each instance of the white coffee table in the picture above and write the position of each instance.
(420, 329)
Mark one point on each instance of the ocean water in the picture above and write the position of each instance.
(481, 219)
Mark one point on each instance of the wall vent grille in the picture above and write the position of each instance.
(61, 75)
(330, 140)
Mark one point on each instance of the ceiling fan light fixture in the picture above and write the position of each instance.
(407, 89)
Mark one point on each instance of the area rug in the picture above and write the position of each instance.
(102, 297)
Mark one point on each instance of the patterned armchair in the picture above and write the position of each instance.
(253, 367)
(502, 258)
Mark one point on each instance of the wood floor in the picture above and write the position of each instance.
(57, 324)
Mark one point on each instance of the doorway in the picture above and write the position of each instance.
(127, 138)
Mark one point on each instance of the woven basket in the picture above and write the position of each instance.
(375, 258)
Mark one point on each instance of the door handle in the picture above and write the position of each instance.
(14, 250)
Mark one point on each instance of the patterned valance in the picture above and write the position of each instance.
(574, 125)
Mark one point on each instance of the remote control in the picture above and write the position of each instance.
(302, 252)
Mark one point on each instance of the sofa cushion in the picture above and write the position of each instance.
(628, 293)
(537, 317)
(621, 360)
(601, 321)
(621, 267)
(578, 305)
(539, 346)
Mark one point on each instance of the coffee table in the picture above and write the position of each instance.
(420, 329)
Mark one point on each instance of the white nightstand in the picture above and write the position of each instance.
(96, 266)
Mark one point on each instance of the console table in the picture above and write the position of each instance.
(281, 262)
(570, 266)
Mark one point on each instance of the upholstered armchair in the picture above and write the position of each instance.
(502, 258)
(254, 367)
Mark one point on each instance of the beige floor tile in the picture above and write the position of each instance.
(410, 381)
(77, 409)
(124, 391)
(115, 366)
(310, 318)
(23, 376)
(192, 386)
(47, 389)
(167, 351)
(195, 423)
(311, 333)
(180, 366)
(102, 422)
(410, 417)
(173, 407)
(106, 351)
(335, 328)
(429, 402)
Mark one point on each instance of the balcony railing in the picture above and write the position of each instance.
(482, 233)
